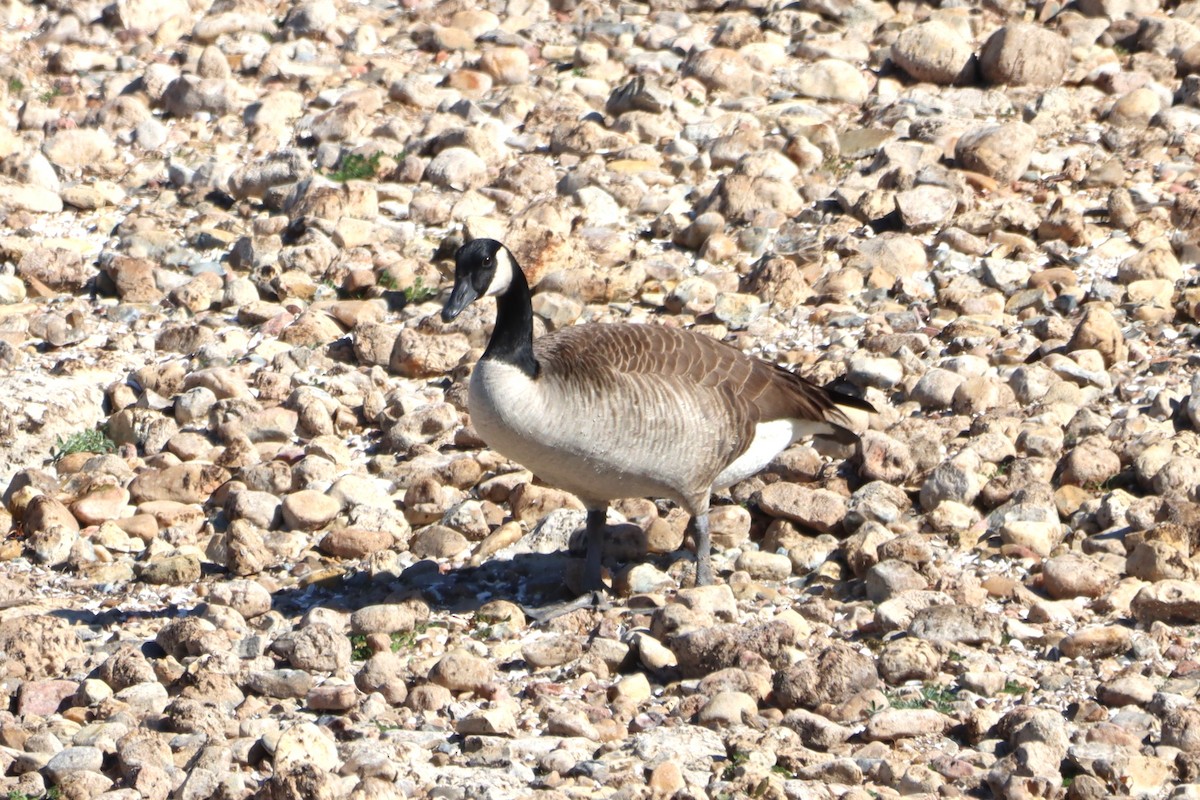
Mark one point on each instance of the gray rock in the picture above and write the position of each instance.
(933, 51)
(890, 578)
(1167, 601)
(457, 168)
(956, 479)
(278, 168)
(1076, 575)
(189, 95)
(908, 659)
(956, 624)
(905, 723)
(1024, 55)
(829, 79)
(460, 671)
(706, 650)
(74, 759)
(834, 675)
(315, 648)
(1002, 152)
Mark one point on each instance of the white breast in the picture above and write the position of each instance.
(574, 440)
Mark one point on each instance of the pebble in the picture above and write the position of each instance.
(309, 510)
(1024, 55)
(905, 723)
(819, 509)
(1076, 575)
(933, 51)
(460, 671)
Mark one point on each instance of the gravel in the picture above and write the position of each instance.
(254, 548)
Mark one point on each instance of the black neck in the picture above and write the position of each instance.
(512, 338)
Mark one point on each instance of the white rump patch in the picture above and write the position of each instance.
(502, 279)
(770, 439)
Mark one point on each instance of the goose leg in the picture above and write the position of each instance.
(704, 575)
(595, 549)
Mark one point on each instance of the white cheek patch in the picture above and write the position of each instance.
(504, 274)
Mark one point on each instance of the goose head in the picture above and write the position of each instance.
(483, 267)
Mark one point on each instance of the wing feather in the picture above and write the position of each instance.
(752, 390)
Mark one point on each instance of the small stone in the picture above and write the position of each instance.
(1096, 642)
(460, 671)
(1126, 690)
(1135, 109)
(55, 267)
(705, 650)
(439, 542)
(171, 571)
(1076, 575)
(830, 79)
(1002, 152)
(905, 723)
(507, 65)
(279, 683)
(44, 697)
(332, 697)
(551, 651)
(355, 543)
(388, 617)
(309, 510)
(727, 708)
(1090, 465)
(819, 509)
(1098, 330)
(956, 480)
(249, 598)
(721, 69)
(1158, 561)
(1168, 601)
(889, 578)
(490, 722)
(100, 505)
(457, 168)
(833, 676)
(73, 759)
(872, 371)
(385, 673)
(1181, 729)
(934, 52)
(1039, 537)
(908, 659)
(956, 624)
(184, 483)
(306, 743)
(926, 207)
(816, 731)
(315, 648)
(765, 566)
(666, 780)
(1024, 54)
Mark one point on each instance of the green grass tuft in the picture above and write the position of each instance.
(93, 441)
(355, 167)
(931, 695)
(419, 292)
(359, 651)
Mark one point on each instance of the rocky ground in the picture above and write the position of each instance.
(253, 548)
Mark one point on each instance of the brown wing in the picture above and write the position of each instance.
(753, 390)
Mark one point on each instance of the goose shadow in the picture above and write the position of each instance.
(535, 581)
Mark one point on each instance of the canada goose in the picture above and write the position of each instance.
(607, 411)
